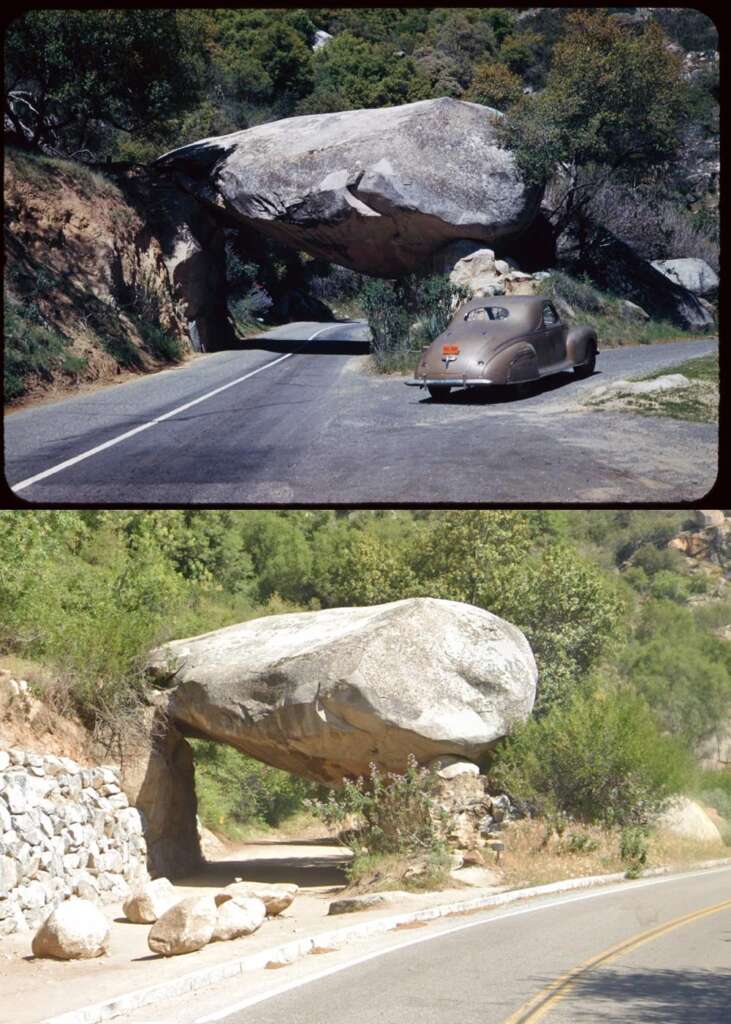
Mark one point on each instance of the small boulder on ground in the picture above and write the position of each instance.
(238, 916)
(150, 901)
(276, 897)
(185, 927)
(75, 930)
(368, 901)
(686, 818)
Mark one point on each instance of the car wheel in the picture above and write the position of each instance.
(438, 392)
(586, 368)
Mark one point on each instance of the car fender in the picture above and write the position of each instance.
(579, 344)
(513, 364)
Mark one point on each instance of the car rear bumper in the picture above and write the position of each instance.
(448, 382)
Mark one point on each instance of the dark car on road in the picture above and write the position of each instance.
(504, 339)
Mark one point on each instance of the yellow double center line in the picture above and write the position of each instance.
(537, 1007)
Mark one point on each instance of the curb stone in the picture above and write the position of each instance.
(290, 951)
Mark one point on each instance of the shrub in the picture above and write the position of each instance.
(388, 321)
(235, 791)
(633, 849)
(600, 757)
(32, 348)
(384, 815)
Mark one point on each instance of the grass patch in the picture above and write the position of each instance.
(695, 403)
(380, 872)
(608, 314)
(33, 349)
(531, 860)
(34, 167)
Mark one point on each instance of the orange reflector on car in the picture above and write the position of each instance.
(450, 350)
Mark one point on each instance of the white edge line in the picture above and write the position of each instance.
(560, 901)
(159, 419)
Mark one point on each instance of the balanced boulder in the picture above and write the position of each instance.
(150, 901)
(324, 694)
(185, 927)
(375, 190)
(75, 930)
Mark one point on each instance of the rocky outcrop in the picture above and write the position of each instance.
(691, 273)
(614, 266)
(476, 269)
(324, 694)
(375, 190)
(710, 542)
(64, 829)
(77, 930)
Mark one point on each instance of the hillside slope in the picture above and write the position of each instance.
(98, 276)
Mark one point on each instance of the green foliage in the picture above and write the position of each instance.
(580, 301)
(388, 321)
(681, 670)
(612, 97)
(352, 73)
(390, 307)
(385, 814)
(633, 849)
(33, 349)
(600, 757)
(236, 793)
(71, 75)
(494, 85)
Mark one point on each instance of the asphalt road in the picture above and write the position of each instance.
(298, 420)
(656, 950)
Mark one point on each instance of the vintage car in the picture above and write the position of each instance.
(504, 339)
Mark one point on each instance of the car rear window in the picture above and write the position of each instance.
(488, 313)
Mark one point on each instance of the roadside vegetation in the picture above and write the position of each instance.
(62, 325)
(696, 401)
(616, 321)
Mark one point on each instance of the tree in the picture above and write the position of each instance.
(350, 74)
(614, 105)
(494, 85)
(73, 77)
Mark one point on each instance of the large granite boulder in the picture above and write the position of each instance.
(375, 190)
(691, 273)
(323, 694)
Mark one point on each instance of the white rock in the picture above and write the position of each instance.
(185, 927)
(8, 875)
(687, 818)
(691, 273)
(276, 897)
(451, 771)
(76, 930)
(4, 760)
(150, 901)
(238, 916)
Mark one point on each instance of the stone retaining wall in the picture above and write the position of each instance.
(64, 830)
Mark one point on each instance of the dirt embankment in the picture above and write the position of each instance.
(105, 275)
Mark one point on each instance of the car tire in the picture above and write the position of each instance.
(586, 368)
(438, 392)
